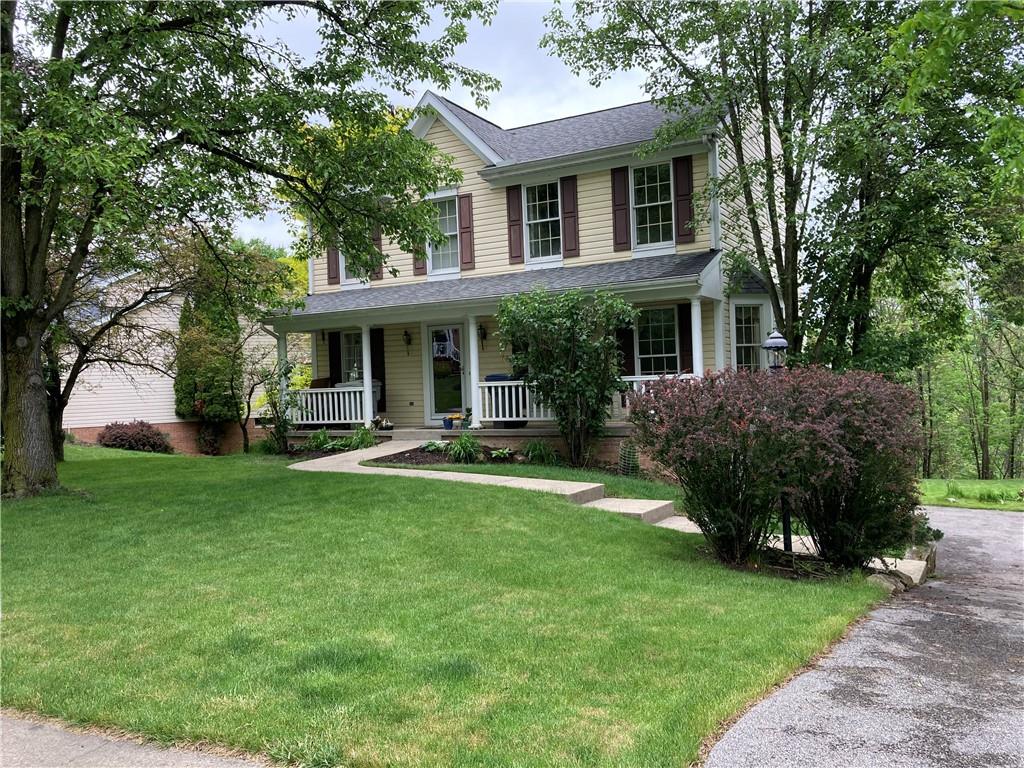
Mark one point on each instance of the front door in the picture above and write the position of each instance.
(446, 372)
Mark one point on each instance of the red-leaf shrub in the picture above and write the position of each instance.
(721, 437)
(842, 447)
(855, 485)
(134, 436)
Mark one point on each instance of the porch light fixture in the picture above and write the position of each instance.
(776, 346)
(407, 340)
(481, 332)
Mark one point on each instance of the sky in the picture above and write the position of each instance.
(535, 86)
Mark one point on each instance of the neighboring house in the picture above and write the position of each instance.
(104, 394)
(559, 205)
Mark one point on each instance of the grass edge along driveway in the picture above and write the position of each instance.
(327, 619)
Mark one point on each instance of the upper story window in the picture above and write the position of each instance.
(657, 347)
(747, 344)
(444, 255)
(652, 205)
(543, 221)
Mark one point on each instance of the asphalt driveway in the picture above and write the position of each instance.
(933, 679)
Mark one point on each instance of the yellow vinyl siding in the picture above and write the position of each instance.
(491, 359)
(707, 329)
(490, 223)
(403, 367)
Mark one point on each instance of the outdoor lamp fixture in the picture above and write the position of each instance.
(481, 331)
(407, 339)
(776, 346)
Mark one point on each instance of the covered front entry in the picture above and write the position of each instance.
(444, 371)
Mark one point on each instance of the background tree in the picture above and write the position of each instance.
(567, 345)
(122, 116)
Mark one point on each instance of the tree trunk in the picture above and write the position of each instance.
(54, 397)
(29, 464)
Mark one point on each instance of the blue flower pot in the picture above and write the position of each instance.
(447, 422)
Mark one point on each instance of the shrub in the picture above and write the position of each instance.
(854, 458)
(134, 436)
(361, 438)
(842, 447)
(208, 437)
(502, 454)
(723, 438)
(435, 446)
(70, 437)
(568, 344)
(953, 490)
(320, 441)
(539, 452)
(465, 449)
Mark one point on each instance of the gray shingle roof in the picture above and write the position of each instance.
(611, 275)
(629, 124)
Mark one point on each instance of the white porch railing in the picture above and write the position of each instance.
(510, 401)
(327, 406)
(514, 401)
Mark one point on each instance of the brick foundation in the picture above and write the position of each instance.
(182, 436)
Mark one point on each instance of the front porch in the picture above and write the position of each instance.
(423, 374)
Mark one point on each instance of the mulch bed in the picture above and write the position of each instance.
(419, 456)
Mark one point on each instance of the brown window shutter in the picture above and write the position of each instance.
(419, 263)
(514, 206)
(378, 273)
(682, 169)
(334, 357)
(570, 217)
(377, 366)
(625, 338)
(333, 266)
(685, 338)
(466, 232)
(620, 209)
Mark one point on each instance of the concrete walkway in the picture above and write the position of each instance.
(933, 679)
(30, 744)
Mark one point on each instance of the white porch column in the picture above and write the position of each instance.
(719, 335)
(367, 378)
(697, 337)
(474, 370)
(282, 364)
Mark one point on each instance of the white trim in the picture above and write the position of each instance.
(314, 363)
(741, 300)
(719, 307)
(697, 336)
(546, 261)
(348, 283)
(368, 401)
(716, 208)
(424, 119)
(447, 273)
(662, 247)
(474, 371)
(675, 332)
(427, 343)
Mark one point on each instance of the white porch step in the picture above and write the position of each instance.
(648, 510)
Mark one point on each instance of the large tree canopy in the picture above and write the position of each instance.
(121, 116)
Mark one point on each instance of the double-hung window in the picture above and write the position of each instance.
(543, 222)
(657, 343)
(748, 336)
(652, 206)
(444, 254)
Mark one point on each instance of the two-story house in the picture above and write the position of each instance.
(562, 204)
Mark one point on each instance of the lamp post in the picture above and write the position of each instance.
(776, 345)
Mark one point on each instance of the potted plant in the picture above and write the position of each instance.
(447, 422)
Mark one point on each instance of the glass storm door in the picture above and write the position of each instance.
(446, 374)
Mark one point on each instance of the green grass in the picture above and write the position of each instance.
(614, 485)
(368, 621)
(979, 494)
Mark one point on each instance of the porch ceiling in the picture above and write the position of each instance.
(667, 271)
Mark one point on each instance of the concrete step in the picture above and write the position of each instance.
(648, 510)
(679, 523)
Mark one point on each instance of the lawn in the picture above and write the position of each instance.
(619, 486)
(358, 620)
(978, 494)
